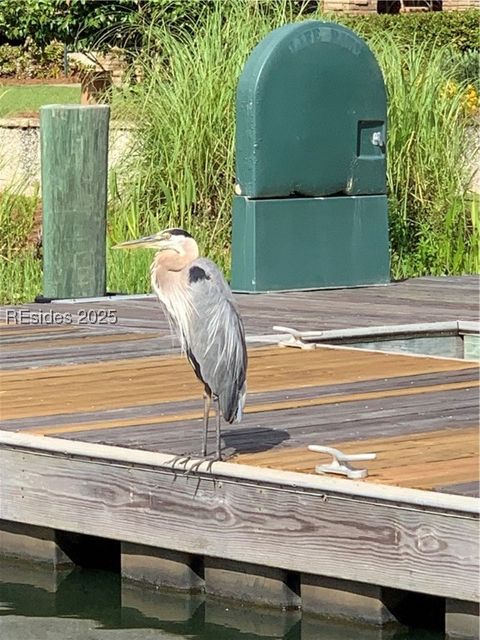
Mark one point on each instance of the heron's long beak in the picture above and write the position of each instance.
(149, 242)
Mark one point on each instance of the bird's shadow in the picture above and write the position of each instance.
(252, 439)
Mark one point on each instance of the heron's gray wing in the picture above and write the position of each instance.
(216, 342)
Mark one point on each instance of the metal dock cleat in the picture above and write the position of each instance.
(340, 462)
(298, 338)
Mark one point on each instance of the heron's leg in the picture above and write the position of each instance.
(218, 434)
(206, 415)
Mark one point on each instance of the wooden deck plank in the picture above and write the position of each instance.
(361, 419)
(423, 461)
(100, 386)
(471, 489)
(155, 408)
(364, 413)
(87, 383)
(74, 341)
(402, 302)
(273, 360)
(264, 431)
(255, 408)
(157, 343)
(401, 449)
(15, 331)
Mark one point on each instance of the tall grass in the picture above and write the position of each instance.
(433, 218)
(20, 266)
(182, 170)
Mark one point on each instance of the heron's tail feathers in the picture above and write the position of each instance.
(232, 407)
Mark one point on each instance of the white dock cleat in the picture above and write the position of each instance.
(340, 462)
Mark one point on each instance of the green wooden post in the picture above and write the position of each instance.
(74, 152)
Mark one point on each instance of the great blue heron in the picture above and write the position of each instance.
(206, 319)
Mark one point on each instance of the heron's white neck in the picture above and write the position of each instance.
(172, 288)
(177, 259)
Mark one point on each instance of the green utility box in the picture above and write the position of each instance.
(311, 206)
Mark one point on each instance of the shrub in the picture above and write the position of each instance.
(83, 23)
(455, 29)
(31, 61)
(467, 67)
(78, 22)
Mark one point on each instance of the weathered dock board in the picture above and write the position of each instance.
(335, 528)
(93, 415)
(420, 300)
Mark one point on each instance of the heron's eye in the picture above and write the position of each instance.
(166, 236)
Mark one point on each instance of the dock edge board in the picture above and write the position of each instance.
(389, 536)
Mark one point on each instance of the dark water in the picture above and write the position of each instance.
(85, 604)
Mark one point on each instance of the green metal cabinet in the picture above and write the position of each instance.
(310, 209)
(309, 243)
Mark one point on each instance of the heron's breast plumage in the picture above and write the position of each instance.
(172, 288)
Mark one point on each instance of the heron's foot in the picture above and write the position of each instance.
(180, 460)
(210, 459)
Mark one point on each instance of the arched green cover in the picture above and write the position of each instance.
(311, 115)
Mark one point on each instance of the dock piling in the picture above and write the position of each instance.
(462, 619)
(30, 542)
(161, 567)
(74, 152)
(344, 599)
(252, 583)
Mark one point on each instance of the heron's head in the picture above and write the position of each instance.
(175, 248)
(176, 240)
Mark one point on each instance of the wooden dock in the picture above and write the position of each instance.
(93, 415)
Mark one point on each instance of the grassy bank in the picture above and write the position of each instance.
(28, 98)
(181, 168)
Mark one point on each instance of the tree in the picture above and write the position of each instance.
(77, 23)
